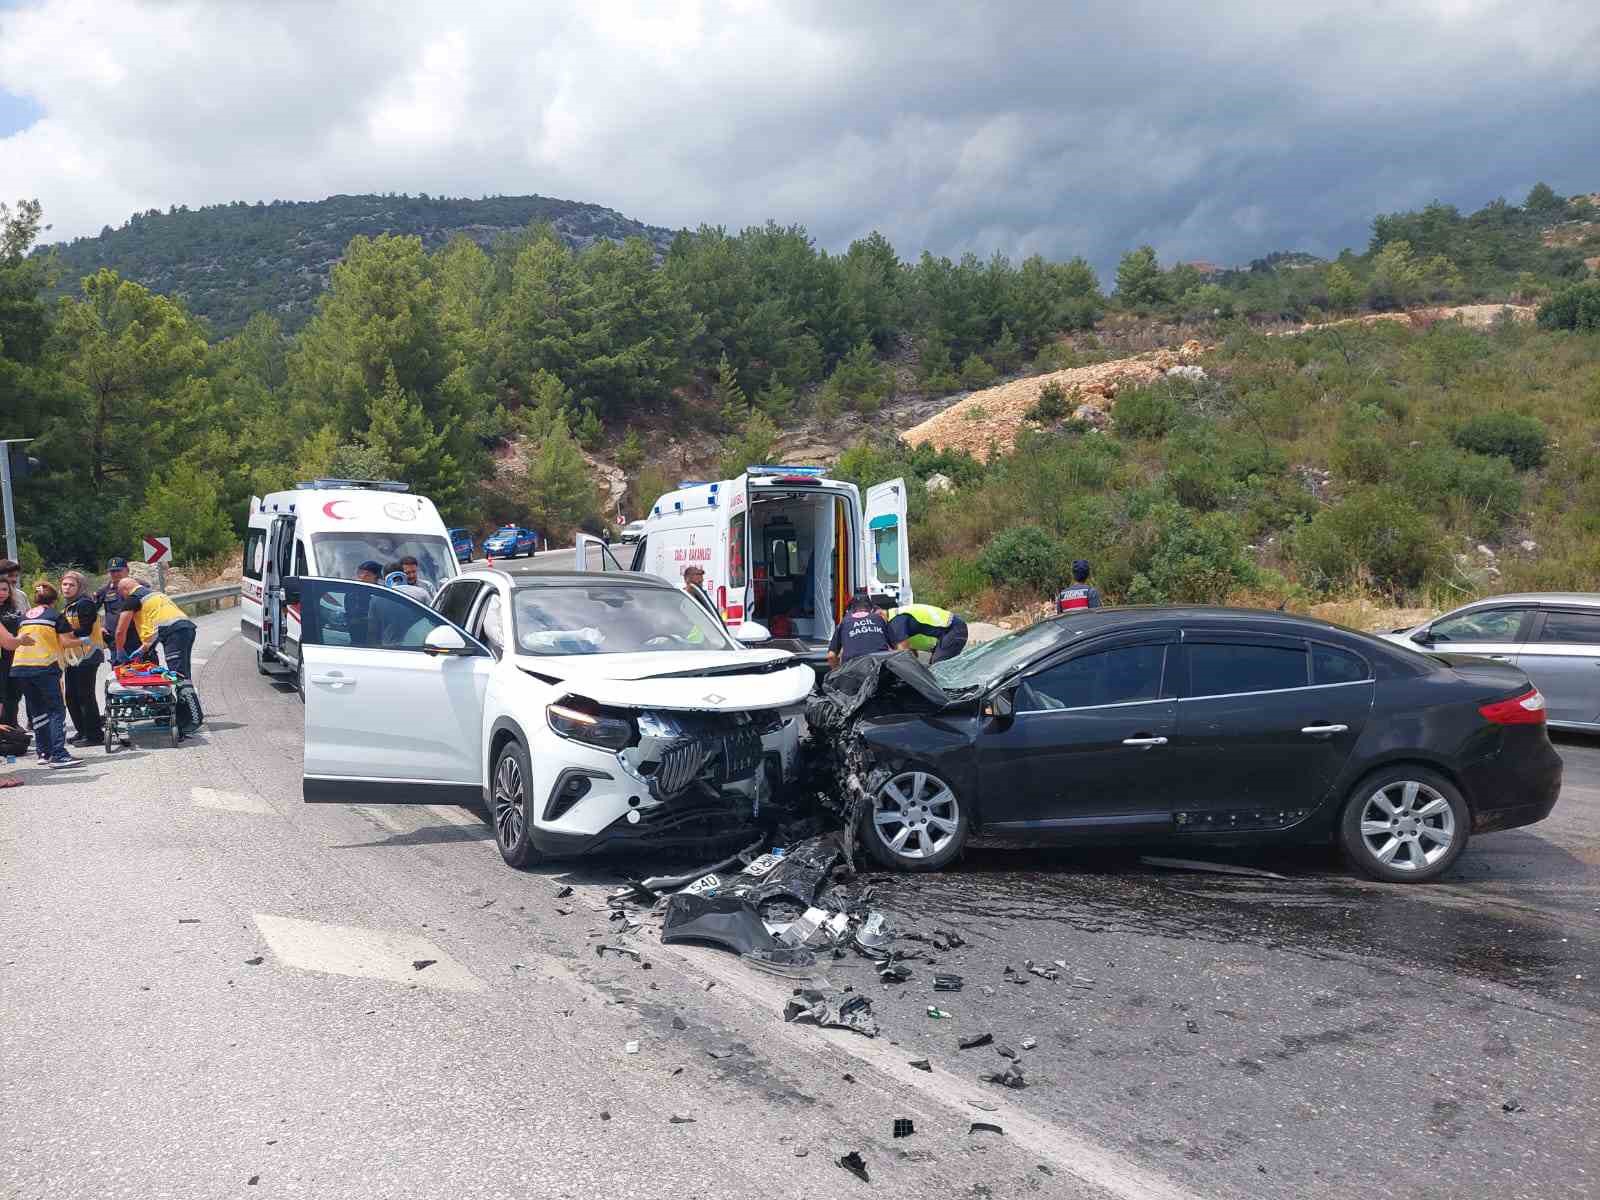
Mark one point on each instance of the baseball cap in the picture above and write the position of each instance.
(116, 564)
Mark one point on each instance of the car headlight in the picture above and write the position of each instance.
(584, 721)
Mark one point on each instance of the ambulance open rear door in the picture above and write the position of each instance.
(886, 548)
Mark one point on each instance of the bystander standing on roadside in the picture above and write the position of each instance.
(82, 664)
(37, 667)
(1082, 593)
(110, 602)
(11, 607)
(158, 620)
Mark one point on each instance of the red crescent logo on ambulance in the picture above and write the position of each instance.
(331, 505)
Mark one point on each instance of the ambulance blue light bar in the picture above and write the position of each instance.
(812, 472)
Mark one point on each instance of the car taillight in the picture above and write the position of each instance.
(1526, 709)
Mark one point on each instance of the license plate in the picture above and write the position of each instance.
(704, 886)
(764, 864)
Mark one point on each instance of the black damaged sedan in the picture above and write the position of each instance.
(1206, 726)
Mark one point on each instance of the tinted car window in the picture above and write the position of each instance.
(1120, 676)
(1330, 665)
(1582, 628)
(455, 602)
(1221, 669)
(355, 614)
(1483, 625)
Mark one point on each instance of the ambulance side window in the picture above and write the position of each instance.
(254, 551)
(637, 564)
(736, 551)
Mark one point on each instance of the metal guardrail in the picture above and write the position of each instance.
(225, 592)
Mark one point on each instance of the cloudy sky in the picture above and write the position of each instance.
(1065, 128)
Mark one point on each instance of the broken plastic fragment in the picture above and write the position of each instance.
(903, 1127)
(921, 1064)
(1042, 972)
(422, 964)
(601, 948)
(630, 1047)
(875, 932)
(937, 1013)
(730, 921)
(254, 962)
(840, 1010)
(680, 1119)
(1011, 1077)
(1512, 1106)
(1029, 1043)
(985, 1127)
(947, 983)
(857, 1166)
(804, 932)
(976, 1040)
(985, 1105)
(563, 891)
(671, 883)
(893, 972)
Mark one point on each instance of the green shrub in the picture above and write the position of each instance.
(1360, 456)
(1025, 556)
(1576, 307)
(1376, 530)
(1146, 412)
(1051, 406)
(1512, 435)
(860, 382)
(958, 578)
(1192, 560)
(1442, 476)
(1199, 483)
(976, 373)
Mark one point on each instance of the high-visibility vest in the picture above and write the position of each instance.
(155, 610)
(40, 625)
(95, 638)
(924, 614)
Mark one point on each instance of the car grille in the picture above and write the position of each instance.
(718, 760)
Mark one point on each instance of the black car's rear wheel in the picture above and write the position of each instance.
(914, 822)
(509, 809)
(1405, 824)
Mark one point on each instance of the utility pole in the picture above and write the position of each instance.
(5, 493)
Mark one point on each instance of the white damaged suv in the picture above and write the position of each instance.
(587, 712)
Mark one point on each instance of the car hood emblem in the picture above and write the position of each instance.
(713, 698)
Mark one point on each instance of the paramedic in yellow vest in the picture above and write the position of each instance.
(9, 736)
(37, 667)
(82, 665)
(924, 627)
(158, 619)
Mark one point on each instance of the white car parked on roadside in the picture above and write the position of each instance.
(585, 712)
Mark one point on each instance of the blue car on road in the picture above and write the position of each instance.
(510, 541)
(462, 543)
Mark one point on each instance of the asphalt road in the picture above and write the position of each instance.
(205, 982)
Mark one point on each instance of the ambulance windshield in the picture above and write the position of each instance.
(340, 554)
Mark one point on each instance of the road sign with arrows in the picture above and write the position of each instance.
(157, 549)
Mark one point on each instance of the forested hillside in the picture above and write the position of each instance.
(1356, 458)
(227, 262)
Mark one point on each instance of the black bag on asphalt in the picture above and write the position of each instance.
(190, 714)
(13, 741)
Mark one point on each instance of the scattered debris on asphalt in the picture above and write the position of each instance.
(921, 1064)
(985, 1105)
(947, 983)
(679, 1023)
(630, 1047)
(903, 1127)
(972, 1043)
(857, 1166)
(563, 891)
(1005, 1052)
(730, 921)
(1042, 972)
(985, 1127)
(188, 920)
(893, 972)
(720, 1054)
(792, 962)
(601, 948)
(1193, 1026)
(422, 964)
(255, 962)
(1011, 1077)
(1512, 1106)
(938, 1014)
(1029, 1043)
(840, 1010)
(680, 1119)
(1193, 864)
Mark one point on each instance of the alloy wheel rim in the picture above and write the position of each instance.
(915, 815)
(1407, 825)
(508, 818)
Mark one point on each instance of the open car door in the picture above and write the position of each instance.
(886, 547)
(393, 698)
(592, 554)
(277, 565)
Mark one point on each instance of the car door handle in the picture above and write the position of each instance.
(1146, 742)
(1323, 730)
(335, 680)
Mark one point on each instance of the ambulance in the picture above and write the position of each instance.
(782, 547)
(327, 528)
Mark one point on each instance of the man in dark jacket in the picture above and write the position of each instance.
(1082, 594)
(862, 631)
(110, 601)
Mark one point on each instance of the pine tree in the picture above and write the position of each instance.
(731, 402)
(1006, 352)
(630, 455)
(560, 490)
(776, 399)
(755, 444)
(398, 430)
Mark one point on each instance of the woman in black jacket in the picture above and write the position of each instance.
(83, 664)
(10, 617)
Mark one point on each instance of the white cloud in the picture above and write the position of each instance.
(1019, 127)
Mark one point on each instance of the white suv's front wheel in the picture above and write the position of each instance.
(510, 808)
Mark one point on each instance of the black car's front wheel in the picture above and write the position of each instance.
(1405, 824)
(509, 807)
(914, 821)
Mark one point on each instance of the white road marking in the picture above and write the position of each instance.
(456, 816)
(365, 953)
(239, 802)
(384, 817)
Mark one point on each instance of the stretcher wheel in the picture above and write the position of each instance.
(111, 736)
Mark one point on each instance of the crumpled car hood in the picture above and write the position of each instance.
(707, 681)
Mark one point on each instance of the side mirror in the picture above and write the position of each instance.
(444, 640)
(1422, 637)
(1001, 705)
(753, 631)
